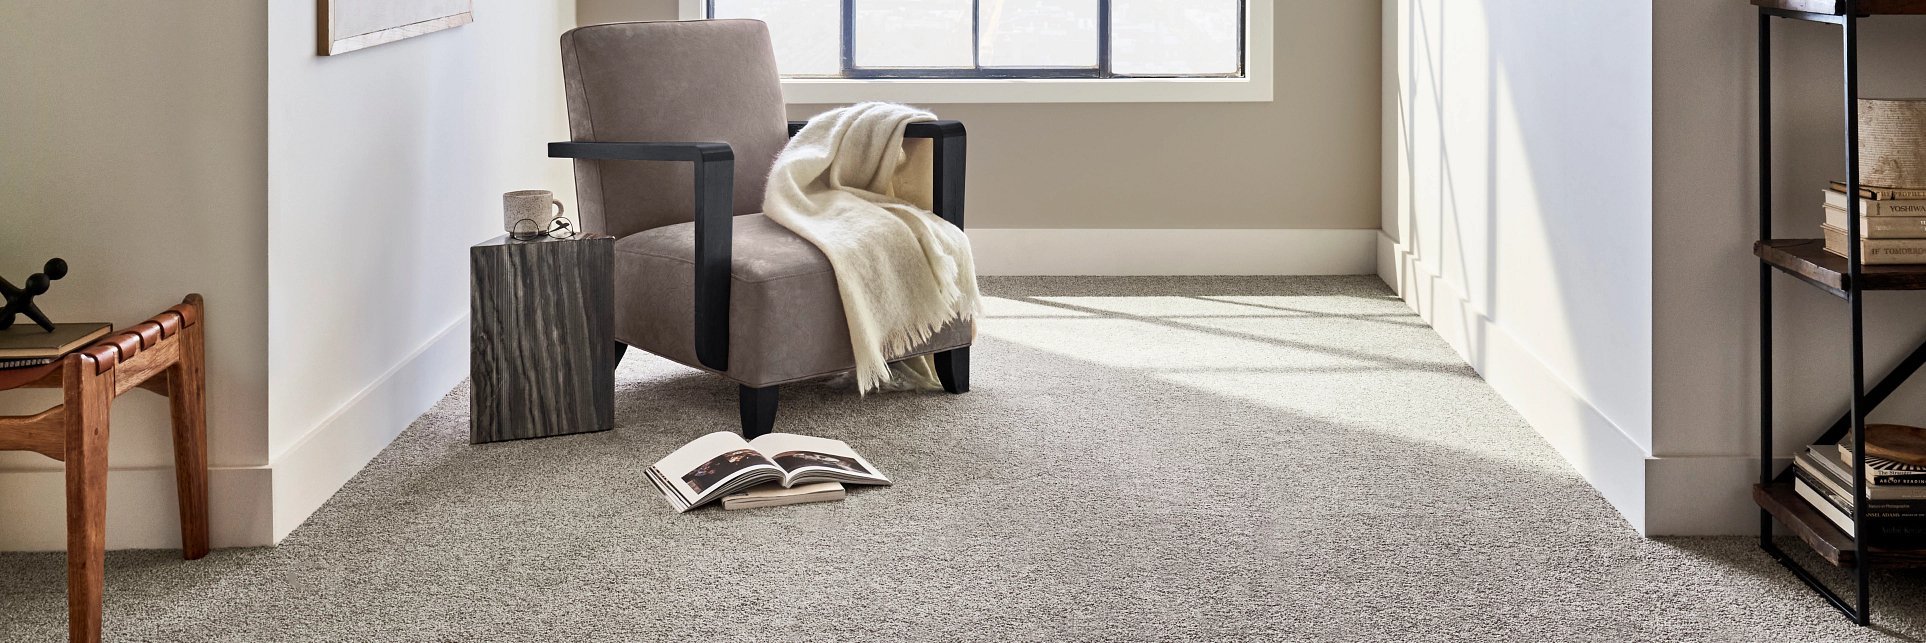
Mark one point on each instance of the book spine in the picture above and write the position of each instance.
(1880, 207)
(1902, 227)
(1876, 525)
(1884, 478)
(1878, 251)
(1905, 511)
(1878, 508)
(1833, 470)
(1882, 193)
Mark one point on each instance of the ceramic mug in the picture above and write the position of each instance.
(538, 207)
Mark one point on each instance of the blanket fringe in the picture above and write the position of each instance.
(909, 338)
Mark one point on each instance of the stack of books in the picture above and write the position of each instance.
(1892, 224)
(1896, 492)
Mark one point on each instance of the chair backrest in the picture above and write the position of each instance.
(696, 81)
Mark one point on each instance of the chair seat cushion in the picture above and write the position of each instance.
(786, 318)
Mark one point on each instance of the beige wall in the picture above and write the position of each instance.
(1308, 159)
(133, 143)
(323, 204)
(1705, 219)
(595, 12)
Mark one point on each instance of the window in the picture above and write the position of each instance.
(1013, 50)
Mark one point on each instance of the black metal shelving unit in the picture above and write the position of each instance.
(1847, 278)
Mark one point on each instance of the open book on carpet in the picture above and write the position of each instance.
(720, 464)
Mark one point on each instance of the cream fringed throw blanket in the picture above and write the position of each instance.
(847, 183)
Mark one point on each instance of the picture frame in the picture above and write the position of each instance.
(353, 25)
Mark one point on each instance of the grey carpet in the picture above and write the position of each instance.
(1142, 459)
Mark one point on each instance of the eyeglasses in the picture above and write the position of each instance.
(529, 230)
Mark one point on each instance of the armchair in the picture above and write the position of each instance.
(701, 276)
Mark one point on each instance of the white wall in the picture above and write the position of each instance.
(384, 165)
(133, 143)
(1706, 330)
(1521, 217)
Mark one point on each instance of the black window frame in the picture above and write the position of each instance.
(978, 71)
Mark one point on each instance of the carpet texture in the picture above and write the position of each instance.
(1141, 459)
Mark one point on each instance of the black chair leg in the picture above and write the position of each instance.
(758, 406)
(953, 368)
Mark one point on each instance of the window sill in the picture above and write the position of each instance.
(837, 91)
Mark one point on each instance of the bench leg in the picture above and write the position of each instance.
(187, 396)
(88, 397)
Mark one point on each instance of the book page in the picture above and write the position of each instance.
(808, 458)
(710, 463)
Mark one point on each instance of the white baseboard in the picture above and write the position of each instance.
(327, 456)
(1041, 251)
(251, 506)
(141, 509)
(1609, 459)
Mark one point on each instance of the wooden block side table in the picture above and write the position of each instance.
(542, 316)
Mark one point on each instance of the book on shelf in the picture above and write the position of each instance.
(1878, 193)
(1837, 509)
(1877, 251)
(25, 344)
(1822, 463)
(722, 464)
(1879, 207)
(776, 495)
(1883, 472)
(1880, 227)
(1819, 479)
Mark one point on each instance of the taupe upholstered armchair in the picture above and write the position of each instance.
(675, 128)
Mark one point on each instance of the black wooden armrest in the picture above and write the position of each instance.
(951, 153)
(925, 129)
(703, 152)
(935, 129)
(715, 184)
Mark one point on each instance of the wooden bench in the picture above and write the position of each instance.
(164, 355)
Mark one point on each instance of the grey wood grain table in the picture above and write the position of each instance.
(542, 338)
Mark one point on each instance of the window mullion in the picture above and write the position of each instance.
(976, 35)
(1243, 44)
(1103, 38)
(849, 37)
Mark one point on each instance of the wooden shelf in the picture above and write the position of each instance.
(1837, 7)
(1825, 538)
(1808, 260)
